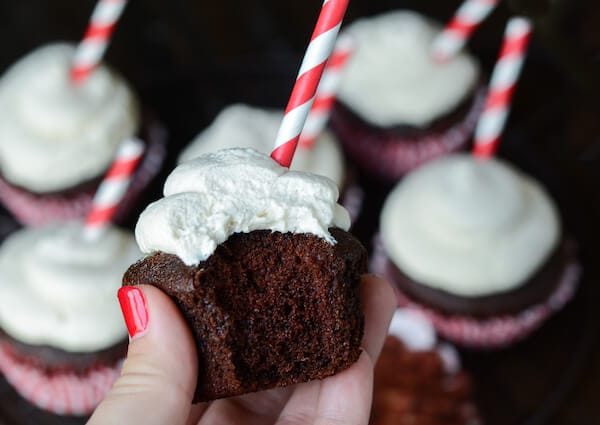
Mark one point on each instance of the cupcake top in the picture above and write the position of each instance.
(236, 191)
(55, 134)
(58, 289)
(469, 227)
(246, 126)
(392, 79)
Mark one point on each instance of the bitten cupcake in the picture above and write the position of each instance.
(477, 246)
(246, 126)
(419, 380)
(259, 260)
(396, 106)
(61, 332)
(57, 138)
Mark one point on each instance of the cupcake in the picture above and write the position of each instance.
(478, 246)
(57, 139)
(398, 108)
(258, 259)
(245, 126)
(418, 380)
(62, 338)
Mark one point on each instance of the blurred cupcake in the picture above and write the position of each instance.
(246, 126)
(62, 336)
(398, 108)
(57, 139)
(418, 380)
(478, 247)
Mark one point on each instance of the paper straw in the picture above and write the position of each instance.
(458, 31)
(315, 58)
(90, 50)
(326, 92)
(113, 187)
(502, 86)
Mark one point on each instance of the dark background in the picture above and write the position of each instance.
(188, 59)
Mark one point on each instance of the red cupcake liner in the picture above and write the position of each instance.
(34, 209)
(492, 332)
(389, 154)
(61, 392)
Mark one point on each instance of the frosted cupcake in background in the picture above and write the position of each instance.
(396, 106)
(58, 138)
(245, 126)
(419, 380)
(62, 336)
(477, 246)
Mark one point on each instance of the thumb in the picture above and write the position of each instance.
(158, 379)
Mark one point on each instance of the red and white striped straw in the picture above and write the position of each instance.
(311, 70)
(326, 92)
(113, 187)
(95, 41)
(502, 87)
(458, 31)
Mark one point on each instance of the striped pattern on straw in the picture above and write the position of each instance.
(311, 70)
(326, 92)
(458, 31)
(502, 86)
(97, 36)
(113, 188)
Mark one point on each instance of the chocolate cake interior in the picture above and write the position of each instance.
(266, 308)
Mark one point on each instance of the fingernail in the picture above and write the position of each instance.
(133, 306)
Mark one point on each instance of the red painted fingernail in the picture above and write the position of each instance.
(133, 306)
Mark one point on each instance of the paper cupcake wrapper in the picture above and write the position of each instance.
(34, 209)
(493, 332)
(389, 155)
(62, 393)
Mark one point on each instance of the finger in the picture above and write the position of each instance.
(159, 375)
(346, 397)
(250, 409)
(379, 303)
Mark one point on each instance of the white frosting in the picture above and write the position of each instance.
(469, 227)
(58, 289)
(413, 329)
(236, 191)
(54, 134)
(392, 78)
(243, 126)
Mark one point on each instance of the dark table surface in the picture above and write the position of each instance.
(188, 59)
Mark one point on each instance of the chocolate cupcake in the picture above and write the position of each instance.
(61, 333)
(397, 107)
(418, 380)
(258, 259)
(246, 126)
(479, 247)
(57, 139)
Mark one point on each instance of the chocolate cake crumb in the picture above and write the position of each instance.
(267, 309)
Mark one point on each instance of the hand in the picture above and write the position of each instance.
(159, 376)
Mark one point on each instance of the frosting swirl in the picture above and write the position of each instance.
(50, 127)
(392, 79)
(236, 191)
(469, 227)
(58, 289)
(244, 126)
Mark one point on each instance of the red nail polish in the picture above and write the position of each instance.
(133, 306)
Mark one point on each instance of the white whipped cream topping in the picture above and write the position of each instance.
(413, 329)
(58, 289)
(392, 79)
(469, 227)
(236, 191)
(53, 134)
(244, 126)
